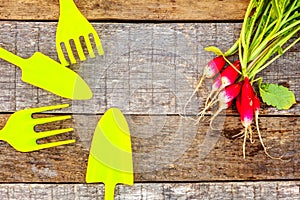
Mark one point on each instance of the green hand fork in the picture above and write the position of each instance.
(71, 26)
(19, 129)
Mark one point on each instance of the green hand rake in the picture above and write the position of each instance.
(71, 26)
(19, 129)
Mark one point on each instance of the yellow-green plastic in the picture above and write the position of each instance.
(71, 26)
(41, 71)
(110, 159)
(19, 129)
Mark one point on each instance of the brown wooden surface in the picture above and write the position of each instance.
(147, 68)
(148, 71)
(179, 151)
(128, 10)
(166, 146)
(178, 191)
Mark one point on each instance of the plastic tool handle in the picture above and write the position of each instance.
(109, 191)
(11, 58)
(67, 5)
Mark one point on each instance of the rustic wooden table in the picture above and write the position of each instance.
(154, 53)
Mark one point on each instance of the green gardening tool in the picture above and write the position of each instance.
(19, 129)
(110, 159)
(72, 26)
(41, 71)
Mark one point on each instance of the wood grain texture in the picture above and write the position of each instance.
(147, 68)
(165, 148)
(128, 10)
(178, 191)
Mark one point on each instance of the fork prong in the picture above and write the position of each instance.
(79, 49)
(89, 46)
(51, 119)
(53, 132)
(98, 44)
(61, 55)
(70, 52)
(47, 108)
(54, 144)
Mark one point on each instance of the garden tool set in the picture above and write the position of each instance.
(110, 159)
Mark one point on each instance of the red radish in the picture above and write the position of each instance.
(247, 104)
(256, 104)
(227, 77)
(226, 97)
(238, 103)
(230, 92)
(212, 68)
(256, 107)
(229, 104)
(246, 109)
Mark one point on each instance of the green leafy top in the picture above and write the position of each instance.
(270, 28)
(215, 50)
(276, 95)
(267, 27)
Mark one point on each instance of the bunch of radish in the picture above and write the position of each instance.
(270, 28)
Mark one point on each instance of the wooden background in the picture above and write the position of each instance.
(154, 53)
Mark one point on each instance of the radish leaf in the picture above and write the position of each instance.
(215, 50)
(277, 95)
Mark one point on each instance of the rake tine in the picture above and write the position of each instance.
(53, 132)
(51, 119)
(98, 44)
(89, 46)
(61, 56)
(70, 52)
(55, 144)
(47, 108)
(79, 50)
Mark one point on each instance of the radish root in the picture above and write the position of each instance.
(202, 113)
(244, 143)
(251, 135)
(245, 132)
(214, 95)
(261, 141)
(194, 92)
(221, 108)
(240, 134)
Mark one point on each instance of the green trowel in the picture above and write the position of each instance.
(110, 159)
(44, 72)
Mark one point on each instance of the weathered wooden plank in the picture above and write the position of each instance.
(147, 68)
(128, 10)
(165, 148)
(228, 191)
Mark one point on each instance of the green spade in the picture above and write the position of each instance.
(110, 159)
